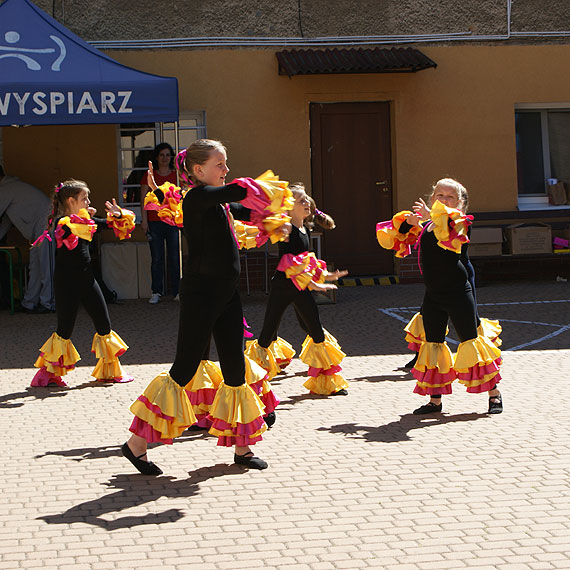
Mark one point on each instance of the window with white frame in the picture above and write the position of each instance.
(543, 149)
(136, 142)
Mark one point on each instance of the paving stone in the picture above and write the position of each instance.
(353, 482)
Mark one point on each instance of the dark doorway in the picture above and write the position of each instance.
(352, 181)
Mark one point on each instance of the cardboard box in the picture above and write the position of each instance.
(556, 194)
(486, 241)
(481, 249)
(527, 239)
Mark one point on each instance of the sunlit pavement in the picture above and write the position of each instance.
(353, 482)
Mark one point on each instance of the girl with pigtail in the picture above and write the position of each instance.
(210, 305)
(73, 226)
(299, 272)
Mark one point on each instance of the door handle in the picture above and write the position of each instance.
(381, 183)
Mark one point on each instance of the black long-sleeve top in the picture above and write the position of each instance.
(79, 257)
(442, 270)
(212, 248)
(298, 243)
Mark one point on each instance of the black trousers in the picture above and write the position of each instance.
(209, 306)
(457, 305)
(283, 293)
(76, 288)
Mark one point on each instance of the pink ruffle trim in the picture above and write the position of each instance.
(154, 408)
(258, 386)
(314, 372)
(242, 434)
(441, 383)
(414, 346)
(142, 429)
(45, 378)
(59, 363)
(270, 401)
(283, 362)
(203, 421)
(255, 199)
(489, 385)
(202, 396)
(479, 372)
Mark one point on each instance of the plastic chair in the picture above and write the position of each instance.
(9, 250)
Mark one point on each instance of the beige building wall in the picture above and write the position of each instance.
(46, 155)
(455, 120)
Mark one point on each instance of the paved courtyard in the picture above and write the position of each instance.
(353, 482)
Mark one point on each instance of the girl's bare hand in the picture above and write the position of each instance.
(150, 177)
(91, 210)
(321, 286)
(112, 208)
(413, 220)
(421, 209)
(336, 275)
(284, 231)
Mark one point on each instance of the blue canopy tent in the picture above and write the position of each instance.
(50, 76)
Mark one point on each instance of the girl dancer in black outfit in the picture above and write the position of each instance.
(75, 285)
(209, 305)
(448, 295)
(298, 272)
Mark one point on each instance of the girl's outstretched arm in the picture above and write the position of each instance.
(336, 275)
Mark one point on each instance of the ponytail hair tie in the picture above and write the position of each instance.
(319, 212)
(179, 161)
(58, 187)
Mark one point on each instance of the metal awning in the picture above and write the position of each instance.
(376, 60)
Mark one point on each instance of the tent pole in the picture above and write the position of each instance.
(176, 150)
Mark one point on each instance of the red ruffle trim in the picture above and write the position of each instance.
(440, 383)
(270, 401)
(479, 372)
(314, 372)
(142, 429)
(59, 363)
(203, 421)
(242, 434)
(283, 362)
(44, 378)
(202, 396)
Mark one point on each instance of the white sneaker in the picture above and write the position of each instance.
(154, 298)
(177, 298)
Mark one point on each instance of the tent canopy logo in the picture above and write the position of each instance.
(12, 37)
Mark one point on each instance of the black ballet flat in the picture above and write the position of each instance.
(249, 460)
(412, 363)
(496, 407)
(145, 467)
(270, 419)
(341, 392)
(429, 408)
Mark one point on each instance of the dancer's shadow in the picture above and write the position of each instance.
(292, 400)
(384, 378)
(136, 490)
(46, 392)
(398, 430)
(106, 451)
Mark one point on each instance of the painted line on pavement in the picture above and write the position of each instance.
(393, 313)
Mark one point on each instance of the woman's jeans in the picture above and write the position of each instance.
(160, 233)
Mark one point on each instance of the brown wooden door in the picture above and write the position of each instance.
(352, 181)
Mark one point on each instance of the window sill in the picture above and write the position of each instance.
(533, 203)
(534, 206)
